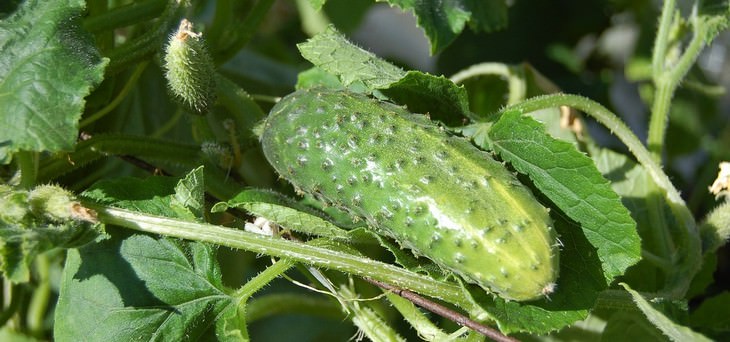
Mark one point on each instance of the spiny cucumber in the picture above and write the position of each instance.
(432, 192)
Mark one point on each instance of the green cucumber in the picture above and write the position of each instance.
(434, 193)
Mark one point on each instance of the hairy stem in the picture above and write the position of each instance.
(124, 15)
(666, 82)
(515, 78)
(308, 254)
(145, 45)
(662, 38)
(41, 295)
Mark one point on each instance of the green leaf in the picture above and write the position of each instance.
(333, 53)
(285, 212)
(578, 286)
(189, 195)
(47, 67)
(435, 95)
(487, 15)
(640, 194)
(136, 287)
(152, 195)
(674, 331)
(713, 16)
(232, 326)
(441, 20)
(317, 78)
(8, 333)
(570, 179)
(631, 326)
(711, 316)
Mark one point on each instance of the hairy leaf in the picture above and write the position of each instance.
(640, 194)
(428, 94)
(708, 318)
(356, 68)
(189, 195)
(134, 286)
(287, 213)
(713, 16)
(570, 179)
(333, 53)
(672, 330)
(443, 21)
(47, 67)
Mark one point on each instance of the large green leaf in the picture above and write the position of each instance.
(570, 179)
(436, 96)
(135, 286)
(674, 331)
(711, 316)
(640, 194)
(332, 53)
(285, 212)
(47, 66)
(443, 20)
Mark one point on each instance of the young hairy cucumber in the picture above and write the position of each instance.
(433, 193)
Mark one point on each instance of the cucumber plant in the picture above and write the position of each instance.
(139, 162)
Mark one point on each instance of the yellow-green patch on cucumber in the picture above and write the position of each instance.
(432, 192)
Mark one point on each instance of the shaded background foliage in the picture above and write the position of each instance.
(599, 49)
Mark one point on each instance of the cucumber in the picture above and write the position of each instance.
(434, 193)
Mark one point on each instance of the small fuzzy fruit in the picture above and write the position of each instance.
(190, 70)
(433, 193)
(52, 202)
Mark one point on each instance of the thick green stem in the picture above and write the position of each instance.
(13, 296)
(659, 118)
(515, 78)
(690, 250)
(28, 165)
(666, 83)
(145, 45)
(124, 15)
(661, 41)
(301, 252)
(101, 145)
(41, 295)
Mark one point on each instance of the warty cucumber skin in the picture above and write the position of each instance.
(433, 193)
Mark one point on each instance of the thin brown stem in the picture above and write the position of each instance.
(444, 312)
